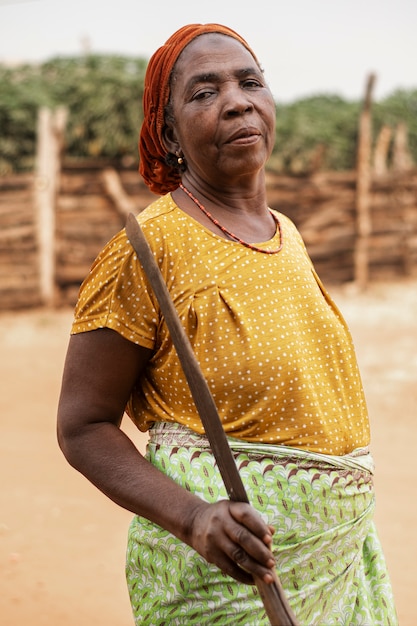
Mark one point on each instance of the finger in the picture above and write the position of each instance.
(230, 567)
(246, 515)
(245, 562)
(238, 573)
(248, 549)
(232, 559)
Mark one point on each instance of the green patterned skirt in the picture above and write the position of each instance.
(328, 555)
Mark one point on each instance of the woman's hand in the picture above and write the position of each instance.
(233, 536)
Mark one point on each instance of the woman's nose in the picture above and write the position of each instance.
(237, 102)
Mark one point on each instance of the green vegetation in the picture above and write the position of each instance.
(400, 106)
(103, 95)
(323, 126)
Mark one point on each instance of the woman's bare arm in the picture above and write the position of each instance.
(100, 372)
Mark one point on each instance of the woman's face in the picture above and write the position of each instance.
(223, 110)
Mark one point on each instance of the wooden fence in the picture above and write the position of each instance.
(93, 201)
(324, 207)
(19, 244)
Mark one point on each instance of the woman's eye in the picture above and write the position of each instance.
(252, 83)
(202, 94)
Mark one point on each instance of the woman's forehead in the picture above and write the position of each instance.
(211, 46)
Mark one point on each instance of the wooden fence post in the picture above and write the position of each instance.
(381, 151)
(50, 132)
(363, 185)
(401, 159)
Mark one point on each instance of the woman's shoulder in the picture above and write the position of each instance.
(158, 208)
(159, 226)
(160, 213)
(287, 224)
(151, 220)
(162, 222)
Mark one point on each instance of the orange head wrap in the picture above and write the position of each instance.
(158, 175)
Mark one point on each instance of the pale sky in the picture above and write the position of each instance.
(305, 46)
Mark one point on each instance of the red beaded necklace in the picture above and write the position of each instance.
(231, 235)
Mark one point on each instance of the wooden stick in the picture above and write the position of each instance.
(276, 605)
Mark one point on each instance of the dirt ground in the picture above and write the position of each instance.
(62, 543)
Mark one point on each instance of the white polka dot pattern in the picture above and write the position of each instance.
(273, 346)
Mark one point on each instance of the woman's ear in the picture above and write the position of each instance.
(170, 141)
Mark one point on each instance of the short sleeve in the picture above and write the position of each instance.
(116, 295)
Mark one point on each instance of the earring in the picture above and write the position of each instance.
(180, 160)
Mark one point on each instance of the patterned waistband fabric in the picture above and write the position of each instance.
(328, 555)
(172, 434)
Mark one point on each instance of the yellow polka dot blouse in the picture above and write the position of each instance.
(272, 345)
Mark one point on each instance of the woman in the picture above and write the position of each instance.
(275, 351)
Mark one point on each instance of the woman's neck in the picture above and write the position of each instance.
(246, 195)
(242, 211)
